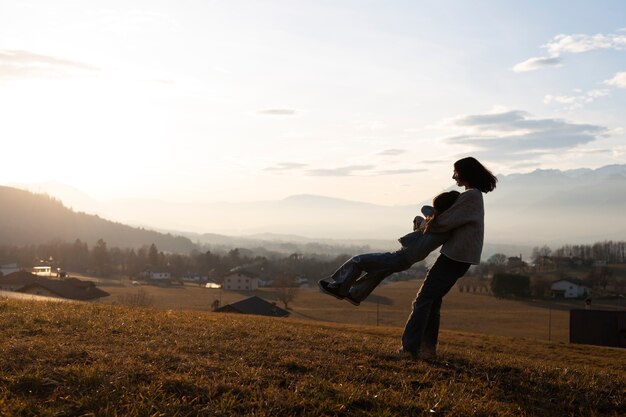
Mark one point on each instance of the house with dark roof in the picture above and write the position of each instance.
(254, 305)
(569, 288)
(70, 288)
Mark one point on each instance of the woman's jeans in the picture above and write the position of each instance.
(422, 328)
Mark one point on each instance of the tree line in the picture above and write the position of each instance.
(101, 260)
(609, 251)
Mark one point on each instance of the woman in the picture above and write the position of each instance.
(465, 220)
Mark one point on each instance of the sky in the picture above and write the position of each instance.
(235, 101)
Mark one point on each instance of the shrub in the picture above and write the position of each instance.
(503, 285)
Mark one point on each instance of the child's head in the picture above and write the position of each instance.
(444, 201)
(441, 203)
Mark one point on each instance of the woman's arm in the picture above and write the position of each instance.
(467, 208)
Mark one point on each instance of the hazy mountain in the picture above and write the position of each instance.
(543, 206)
(554, 206)
(27, 218)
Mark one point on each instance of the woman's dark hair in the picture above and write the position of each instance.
(441, 203)
(475, 175)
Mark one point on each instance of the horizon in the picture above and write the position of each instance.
(537, 208)
(367, 102)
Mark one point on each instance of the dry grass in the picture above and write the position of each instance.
(94, 359)
(388, 306)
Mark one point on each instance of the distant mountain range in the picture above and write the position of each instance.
(541, 207)
(552, 206)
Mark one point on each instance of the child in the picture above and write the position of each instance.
(347, 283)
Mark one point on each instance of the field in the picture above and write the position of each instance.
(389, 305)
(112, 360)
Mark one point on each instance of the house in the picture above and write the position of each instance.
(197, 278)
(8, 269)
(158, 275)
(568, 288)
(253, 305)
(515, 262)
(42, 271)
(71, 288)
(240, 280)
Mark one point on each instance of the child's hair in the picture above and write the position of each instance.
(441, 203)
(474, 174)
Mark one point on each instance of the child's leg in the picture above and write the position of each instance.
(372, 262)
(345, 276)
(349, 272)
(378, 267)
(364, 286)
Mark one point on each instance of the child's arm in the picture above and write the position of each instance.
(417, 223)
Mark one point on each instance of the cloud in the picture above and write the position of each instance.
(164, 81)
(579, 43)
(576, 101)
(25, 64)
(536, 63)
(619, 151)
(369, 124)
(572, 44)
(392, 152)
(529, 164)
(346, 171)
(619, 80)
(592, 151)
(285, 166)
(400, 171)
(515, 135)
(277, 112)
(502, 119)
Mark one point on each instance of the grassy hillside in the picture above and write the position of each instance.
(27, 218)
(94, 359)
(389, 305)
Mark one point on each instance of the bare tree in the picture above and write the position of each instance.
(286, 289)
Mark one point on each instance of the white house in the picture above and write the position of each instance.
(240, 280)
(42, 271)
(160, 275)
(195, 278)
(568, 288)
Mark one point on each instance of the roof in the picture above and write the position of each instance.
(570, 280)
(72, 288)
(241, 271)
(254, 305)
(18, 277)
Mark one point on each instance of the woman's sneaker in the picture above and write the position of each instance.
(405, 354)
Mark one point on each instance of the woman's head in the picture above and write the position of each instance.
(444, 201)
(472, 174)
